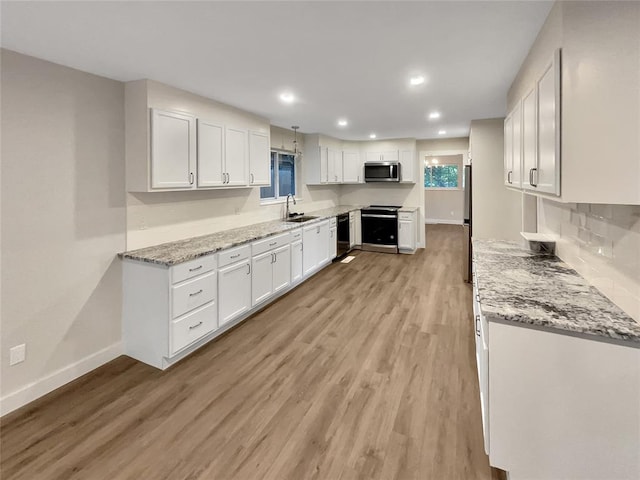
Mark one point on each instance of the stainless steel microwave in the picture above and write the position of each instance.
(382, 172)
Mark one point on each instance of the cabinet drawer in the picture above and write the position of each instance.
(333, 222)
(227, 257)
(276, 241)
(192, 268)
(296, 235)
(405, 216)
(193, 326)
(193, 293)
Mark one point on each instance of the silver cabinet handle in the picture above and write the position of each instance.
(191, 178)
(196, 325)
(275, 258)
(249, 265)
(531, 174)
(509, 176)
(478, 325)
(194, 269)
(272, 244)
(234, 256)
(195, 293)
(252, 178)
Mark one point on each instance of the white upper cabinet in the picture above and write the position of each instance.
(383, 156)
(407, 162)
(513, 148)
(547, 174)
(259, 158)
(173, 152)
(334, 166)
(529, 142)
(540, 134)
(204, 145)
(210, 154)
(236, 147)
(351, 166)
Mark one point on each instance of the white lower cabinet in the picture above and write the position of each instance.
(271, 273)
(193, 326)
(234, 286)
(316, 247)
(407, 231)
(352, 229)
(333, 239)
(296, 256)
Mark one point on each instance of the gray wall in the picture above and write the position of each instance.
(63, 218)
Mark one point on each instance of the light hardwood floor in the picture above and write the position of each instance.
(365, 371)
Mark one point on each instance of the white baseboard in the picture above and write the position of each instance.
(37, 389)
(443, 220)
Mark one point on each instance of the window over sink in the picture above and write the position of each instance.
(283, 177)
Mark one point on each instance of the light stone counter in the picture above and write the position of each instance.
(517, 285)
(181, 251)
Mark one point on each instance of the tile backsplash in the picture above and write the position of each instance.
(602, 243)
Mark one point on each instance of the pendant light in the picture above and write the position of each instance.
(296, 153)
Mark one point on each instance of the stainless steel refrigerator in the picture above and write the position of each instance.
(467, 224)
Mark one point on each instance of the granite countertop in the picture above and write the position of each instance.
(181, 251)
(518, 285)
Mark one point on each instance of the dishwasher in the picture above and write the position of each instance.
(343, 235)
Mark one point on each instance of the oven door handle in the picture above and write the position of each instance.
(371, 215)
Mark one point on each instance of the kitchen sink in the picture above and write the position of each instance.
(300, 219)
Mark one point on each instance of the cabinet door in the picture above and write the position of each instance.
(261, 277)
(334, 162)
(508, 150)
(407, 162)
(547, 175)
(234, 291)
(516, 164)
(235, 165)
(373, 156)
(210, 154)
(529, 140)
(351, 167)
(324, 165)
(333, 242)
(259, 159)
(406, 235)
(281, 268)
(173, 150)
(390, 156)
(310, 250)
(296, 262)
(323, 243)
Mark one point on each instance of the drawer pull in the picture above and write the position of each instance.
(194, 269)
(196, 325)
(478, 325)
(195, 293)
(234, 256)
(272, 244)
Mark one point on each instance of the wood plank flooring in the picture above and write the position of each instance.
(366, 371)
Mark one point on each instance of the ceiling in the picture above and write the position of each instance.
(349, 60)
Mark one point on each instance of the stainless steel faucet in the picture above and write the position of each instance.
(286, 215)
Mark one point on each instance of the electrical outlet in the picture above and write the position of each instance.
(17, 354)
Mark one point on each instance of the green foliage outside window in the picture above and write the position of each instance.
(441, 176)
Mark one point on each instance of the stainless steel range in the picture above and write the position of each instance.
(380, 228)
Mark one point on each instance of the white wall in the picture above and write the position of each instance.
(496, 210)
(439, 204)
(63, 222)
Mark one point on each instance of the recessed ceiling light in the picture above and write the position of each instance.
(417, 80)
(442, 132)
(342, 122)
(434, 161)
(434, 115)
(373, 135)
(287, 97)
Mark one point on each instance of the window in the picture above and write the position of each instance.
(442, 171)
(283, 177)
(441, 176)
